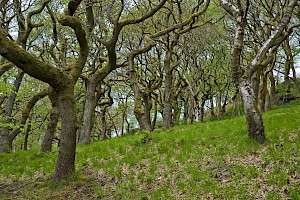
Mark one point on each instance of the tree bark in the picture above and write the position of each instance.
(255, 82)
(52, 124)
(168, 96)
(264, 97)
(272, 90)
(50, 132)
(286, 76)
(6, 67)
(27, 132)
(153, 123)
(220, 112)
(212, 107)
(201, 109)
(103, 124)
(191, 109)
(147, 107)
(177, 111)
(65, 165)
(140, 114)
(254, 118)
(89, 112)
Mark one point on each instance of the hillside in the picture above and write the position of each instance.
(212, 160)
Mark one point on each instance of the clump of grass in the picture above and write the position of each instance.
(147, 137)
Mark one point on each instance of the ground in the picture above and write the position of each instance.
(211, 160)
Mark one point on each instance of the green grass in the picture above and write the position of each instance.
(215, 159)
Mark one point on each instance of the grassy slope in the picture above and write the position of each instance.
(213, 160)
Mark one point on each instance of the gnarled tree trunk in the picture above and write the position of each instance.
(168, 96)
(201, 109)
(190, 109)
(272, 90)
(27, 132)
(103, 130)
(52, 124)
(88, 113)
(140, 114)
(148, 106)
(65, 165)
(153, 123)
(50, 132)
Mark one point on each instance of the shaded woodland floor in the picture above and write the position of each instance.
(211, 160)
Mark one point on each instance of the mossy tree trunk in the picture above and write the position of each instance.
(153, 123)
(201, 109)
(264, 101)
(147, 107)
(27, 132)
(212, 106)
(46, 145)
(190, 109)
(88, 112)
(272, 90)
(177, 111)
(65, 165)
(263, 94)
(220, 111)
(103, 130)
(168, 95)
